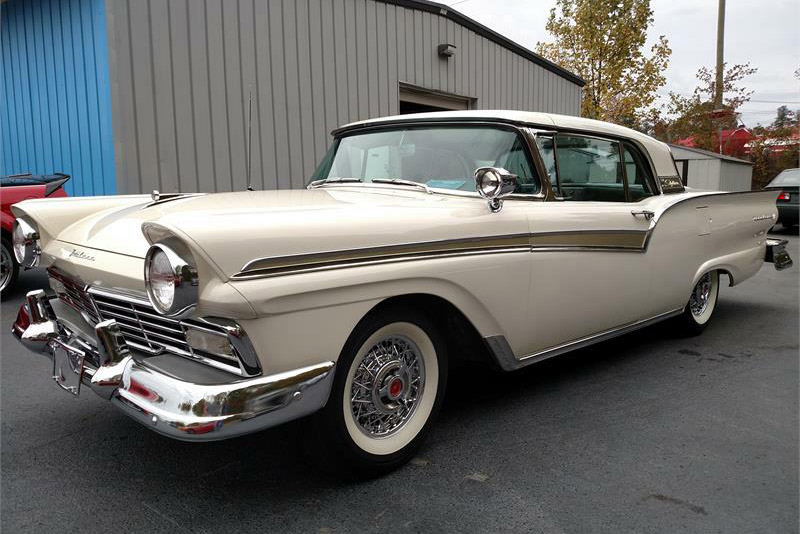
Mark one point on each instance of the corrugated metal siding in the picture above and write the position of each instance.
(735, 177)
(182, 71)
(54, 90)
(704, 174)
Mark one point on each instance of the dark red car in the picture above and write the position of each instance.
(13, 189)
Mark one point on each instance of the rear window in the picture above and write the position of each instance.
(787, 177)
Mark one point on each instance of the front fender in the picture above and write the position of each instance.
(309, 316)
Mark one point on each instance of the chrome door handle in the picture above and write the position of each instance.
(647, 214)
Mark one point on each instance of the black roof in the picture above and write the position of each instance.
(480, 29)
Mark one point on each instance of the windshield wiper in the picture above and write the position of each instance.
(320, 183)
(400, 181)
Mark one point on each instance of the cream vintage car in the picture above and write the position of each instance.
(423, 240)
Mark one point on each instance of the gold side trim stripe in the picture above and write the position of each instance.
(601, 240)
(594, 239)
(404, 252)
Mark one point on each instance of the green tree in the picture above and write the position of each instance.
(694, 115)
(603, 41)
(784, 118)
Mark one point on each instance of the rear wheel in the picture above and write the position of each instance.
(701, 305)
(389, 384)
(9, 269)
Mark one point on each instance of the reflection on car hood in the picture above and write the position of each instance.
(234, 228)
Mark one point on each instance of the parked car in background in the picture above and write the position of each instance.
(16, 188)
(788, 183)
(421, 240)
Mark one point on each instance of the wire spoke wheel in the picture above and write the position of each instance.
(701, 305)
(701, 294)
(386, 386)
(391, 387)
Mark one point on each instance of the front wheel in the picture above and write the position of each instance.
(701, 305)
(389, 384)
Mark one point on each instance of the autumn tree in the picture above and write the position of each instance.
(775, 147)
(694, 115)
(603, 41)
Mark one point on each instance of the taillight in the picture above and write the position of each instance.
(784, 196)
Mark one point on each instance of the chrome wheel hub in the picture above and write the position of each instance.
(6, 267)
(387, 385)
(701, 293)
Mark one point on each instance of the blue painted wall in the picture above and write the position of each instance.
(54, 92)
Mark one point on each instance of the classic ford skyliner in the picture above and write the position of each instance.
(421, 240)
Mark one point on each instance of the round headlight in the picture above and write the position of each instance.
(26, 244)
(171, 280)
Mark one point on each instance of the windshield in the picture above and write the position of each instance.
(787, 177)
(438, 157)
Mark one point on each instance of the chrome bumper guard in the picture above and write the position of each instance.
(777, 255)
(171, 406)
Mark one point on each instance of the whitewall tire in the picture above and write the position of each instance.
(701, 305)
(389, 384)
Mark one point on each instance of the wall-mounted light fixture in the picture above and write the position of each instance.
(446, 50)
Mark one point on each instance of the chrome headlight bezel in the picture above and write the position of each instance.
(183, 270)
(26, 245)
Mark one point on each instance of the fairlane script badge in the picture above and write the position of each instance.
(762, 218)
(80, 255)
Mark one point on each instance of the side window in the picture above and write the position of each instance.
(548, 154)
(638, 173)
(590, 169)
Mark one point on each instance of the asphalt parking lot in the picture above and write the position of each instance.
(644, 433)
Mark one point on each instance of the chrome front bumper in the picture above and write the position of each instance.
(171, 406)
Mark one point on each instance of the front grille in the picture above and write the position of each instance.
(141, 325)
(143, 328)
(73, 293)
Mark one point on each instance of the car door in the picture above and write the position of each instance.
(590, 271)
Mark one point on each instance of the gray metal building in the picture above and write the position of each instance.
(182, 72)
(702, 169)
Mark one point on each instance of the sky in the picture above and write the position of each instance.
(764, 33)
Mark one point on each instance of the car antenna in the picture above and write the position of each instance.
(248, 163)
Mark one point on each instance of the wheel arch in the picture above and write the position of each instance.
(463, 340)
(723, 267)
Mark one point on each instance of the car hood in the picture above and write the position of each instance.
(232, 229)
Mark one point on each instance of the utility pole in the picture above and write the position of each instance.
(720, 61)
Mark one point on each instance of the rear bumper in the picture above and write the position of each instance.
(167, 404)
(777, 255)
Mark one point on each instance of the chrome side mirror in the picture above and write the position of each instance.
(494, 184)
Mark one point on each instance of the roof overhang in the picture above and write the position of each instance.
(488, 33)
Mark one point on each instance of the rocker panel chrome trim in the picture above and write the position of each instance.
(499, 348)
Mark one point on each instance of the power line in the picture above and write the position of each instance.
(751, 100)
(775, 101)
